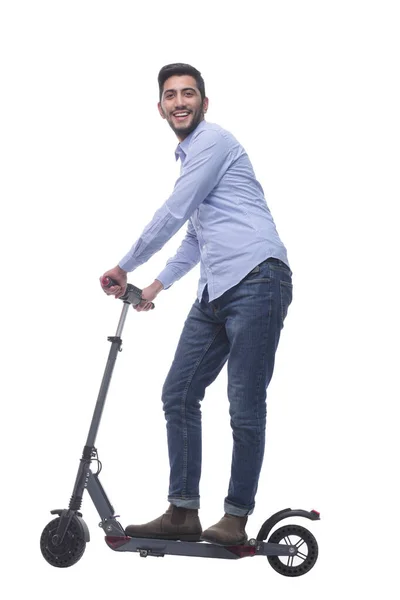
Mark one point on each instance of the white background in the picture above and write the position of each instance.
(311, 89)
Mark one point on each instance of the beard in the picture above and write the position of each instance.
(185, 129)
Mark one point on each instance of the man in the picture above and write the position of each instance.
(243, 296)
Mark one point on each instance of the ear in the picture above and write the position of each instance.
(205, 105)
(160, 110)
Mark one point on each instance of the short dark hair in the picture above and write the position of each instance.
(181, 69)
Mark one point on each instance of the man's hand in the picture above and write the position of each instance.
(120, 276)
(148, 294)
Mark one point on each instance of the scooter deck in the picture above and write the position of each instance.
(157, 547)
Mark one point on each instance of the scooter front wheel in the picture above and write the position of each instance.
(69, 551)
(307, 550)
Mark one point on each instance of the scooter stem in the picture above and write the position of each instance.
(122, 319)
(132, 296)
(116, 343)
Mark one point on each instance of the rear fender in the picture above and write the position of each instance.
(284, 514)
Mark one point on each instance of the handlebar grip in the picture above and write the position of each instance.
(107, 282)
(133, 295)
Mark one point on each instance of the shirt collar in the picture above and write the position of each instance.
(182, 147)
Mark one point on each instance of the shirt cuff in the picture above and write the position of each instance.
(126, 264)
(166, 277)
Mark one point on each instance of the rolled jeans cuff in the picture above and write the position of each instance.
(237, 511)
(193, 503)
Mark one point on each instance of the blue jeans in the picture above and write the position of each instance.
(242, 327)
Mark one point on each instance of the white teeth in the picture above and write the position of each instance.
(181, 114)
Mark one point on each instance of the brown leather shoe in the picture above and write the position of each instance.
(229, 531)
(175, 524)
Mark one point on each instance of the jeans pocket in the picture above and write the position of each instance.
(254, 277)
(286, 293)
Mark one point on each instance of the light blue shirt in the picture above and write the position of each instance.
(230, 229)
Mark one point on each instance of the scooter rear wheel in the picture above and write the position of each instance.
(304, 560)
(69, 551)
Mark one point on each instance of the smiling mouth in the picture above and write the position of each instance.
(181, 115)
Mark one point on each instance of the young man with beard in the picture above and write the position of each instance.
(243, 296)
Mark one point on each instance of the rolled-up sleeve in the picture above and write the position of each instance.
(207, 160)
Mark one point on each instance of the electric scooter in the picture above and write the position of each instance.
(291, 550)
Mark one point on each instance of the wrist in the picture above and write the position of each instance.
(157, 285)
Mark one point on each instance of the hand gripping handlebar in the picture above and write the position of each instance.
(133, 295)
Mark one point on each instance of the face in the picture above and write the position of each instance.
(181, 105)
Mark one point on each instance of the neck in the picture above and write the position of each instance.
(183, 136)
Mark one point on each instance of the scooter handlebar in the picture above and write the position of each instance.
(133, 295)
